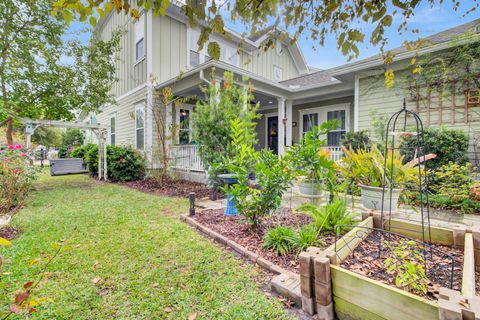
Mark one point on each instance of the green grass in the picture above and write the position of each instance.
(151, 264)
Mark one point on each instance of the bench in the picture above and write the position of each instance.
(60, 167)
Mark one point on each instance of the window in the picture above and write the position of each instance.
(309, 121)
(193, 47)
(277, 73)
(184, 126)
(113, 124)
(139, 127)
(139, 39)
(334, 137)
(194, 58)
(234, 58)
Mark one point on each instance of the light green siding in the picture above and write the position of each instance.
(169, 48)
(125, 115)
(261, 62)
(375, 96)
(130, 73)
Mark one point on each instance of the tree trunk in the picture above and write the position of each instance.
(9, 133)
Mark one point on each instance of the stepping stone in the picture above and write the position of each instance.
(288, 285)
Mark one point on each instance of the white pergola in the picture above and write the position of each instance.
(99, 130)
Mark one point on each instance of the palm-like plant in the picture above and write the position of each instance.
(328, 217)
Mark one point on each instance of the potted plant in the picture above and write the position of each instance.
(311, 159)
(366, 168)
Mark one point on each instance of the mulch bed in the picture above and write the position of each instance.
(236, 228)
(364, 260)
(171, 187)
(9, 233)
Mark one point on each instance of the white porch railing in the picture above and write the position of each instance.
(336, 153)
(185, 157)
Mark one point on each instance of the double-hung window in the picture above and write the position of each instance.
(113, 128)
(184, 124)
(140, 127)
(310, 120)
(334, 137)
(140, 38)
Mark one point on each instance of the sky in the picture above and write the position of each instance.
(428, 20)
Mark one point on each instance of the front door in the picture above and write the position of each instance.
(272, 134)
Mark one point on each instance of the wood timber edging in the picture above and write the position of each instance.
(250, 255)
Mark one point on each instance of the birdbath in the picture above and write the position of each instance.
(229, 179)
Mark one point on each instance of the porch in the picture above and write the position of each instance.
(287, 110)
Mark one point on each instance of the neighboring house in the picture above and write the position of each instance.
(292, 96)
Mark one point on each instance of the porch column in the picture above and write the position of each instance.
(288, 129)
(281, 126)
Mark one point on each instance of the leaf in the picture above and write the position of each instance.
(28, 284)
(21, 297)
(67, 16)
(97, 280)
(15, 308)
(192, 316)
(93, 21)
(4, 242)
(34, 261)
(108, 7)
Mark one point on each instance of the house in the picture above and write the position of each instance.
(161, 51)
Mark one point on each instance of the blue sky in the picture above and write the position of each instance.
(428, 20)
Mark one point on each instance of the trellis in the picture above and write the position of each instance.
(99, 130)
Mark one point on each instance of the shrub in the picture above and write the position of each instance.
(273, 177)
(328, 217)
(279, 240)
(306, 236)
(123, 163)
(357, 140)
(81, 152)
(16, 178)
(63, 152)
(448, 145)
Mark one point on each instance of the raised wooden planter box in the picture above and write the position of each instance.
(353, 296)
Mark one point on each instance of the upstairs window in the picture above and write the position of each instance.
(193, 46)
(140, 39)
(139, 127)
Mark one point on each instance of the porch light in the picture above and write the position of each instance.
(270, 102)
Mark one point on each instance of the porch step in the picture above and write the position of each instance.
(288, 285)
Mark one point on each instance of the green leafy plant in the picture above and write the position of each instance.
(279, 240)
(255, 199)
(123, 163)
(447, 145)
(328, 217)
(406, 263)
(211, 120)
(16, 178)
(367, 167)
(81, 152)
(357, 140)
(306, 236)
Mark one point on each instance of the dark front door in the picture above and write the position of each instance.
(272, 134)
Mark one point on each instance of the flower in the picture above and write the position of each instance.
(11, 146)
(16, 171)
(23, 154)
(18, 146)
(6, 159)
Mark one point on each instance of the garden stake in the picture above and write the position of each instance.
(191, 197)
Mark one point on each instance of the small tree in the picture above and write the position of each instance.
(212, 118)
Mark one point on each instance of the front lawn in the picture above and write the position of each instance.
(126, 255)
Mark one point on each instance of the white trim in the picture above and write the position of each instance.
(137, 37)
(177, 121)
(134, 90)
(322, 115)
(113, 115)
(140, 106)
(149, 107)
(281, 126)
(356, 102)
(268, 115)
(188, 47)
(288, 126)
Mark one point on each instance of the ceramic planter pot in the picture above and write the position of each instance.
(310, 188)
(372, 198)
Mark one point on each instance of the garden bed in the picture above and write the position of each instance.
(364, 260)
(9, 233)
(238, 230)
(171, 187)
